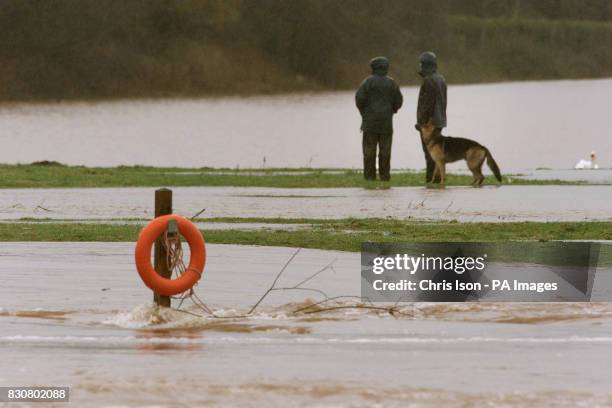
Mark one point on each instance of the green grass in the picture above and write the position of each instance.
(35, 176)
(344, 235)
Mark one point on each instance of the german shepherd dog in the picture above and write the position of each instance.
(445, 149)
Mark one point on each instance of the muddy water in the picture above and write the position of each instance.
(526, 125)
(77, 314)
(495, 204)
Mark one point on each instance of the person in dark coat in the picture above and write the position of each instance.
(432, 103)
(378, 99)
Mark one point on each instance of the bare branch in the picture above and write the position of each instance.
(306, 289)
(389, 310)
(326, 267)
(318, 307)
(198, 213)
(275, 280)
(323, 302)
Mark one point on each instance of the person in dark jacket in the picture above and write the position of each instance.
(378, 99)
(432, 103)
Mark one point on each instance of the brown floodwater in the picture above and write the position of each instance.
(77, 314)
(526, 125)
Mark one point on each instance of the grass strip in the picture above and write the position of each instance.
(344, 235)
(57, 175)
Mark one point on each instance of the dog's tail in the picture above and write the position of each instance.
(493, 165)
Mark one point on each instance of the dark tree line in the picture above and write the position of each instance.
(140, 48)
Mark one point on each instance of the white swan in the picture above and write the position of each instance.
(587, 164)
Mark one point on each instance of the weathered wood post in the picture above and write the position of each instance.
(163, 206)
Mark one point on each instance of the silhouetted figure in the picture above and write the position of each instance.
(432, 103)
(378, 99)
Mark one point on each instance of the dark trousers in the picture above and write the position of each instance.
(430, 164)
(370, 142)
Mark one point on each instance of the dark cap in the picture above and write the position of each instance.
(379, 65)
(428, 57)
(429, 63)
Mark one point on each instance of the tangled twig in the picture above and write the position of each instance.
(172, 244)
(278, 275)
(40, 207)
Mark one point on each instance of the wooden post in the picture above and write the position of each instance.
(163, 206)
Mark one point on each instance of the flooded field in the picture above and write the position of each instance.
(599, 176)
(77, 314)
(495, 204)
(526, 125)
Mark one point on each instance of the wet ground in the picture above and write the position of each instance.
(599, 176)
(77, 314)
(490, 203)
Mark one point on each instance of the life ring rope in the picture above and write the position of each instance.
(194, 270)
(191, 274)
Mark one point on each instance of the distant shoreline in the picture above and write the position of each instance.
(279, 93)
(103, 50)
(4, 103)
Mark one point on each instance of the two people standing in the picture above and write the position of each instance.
(379, 98)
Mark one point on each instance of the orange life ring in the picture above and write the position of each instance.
(193, 272)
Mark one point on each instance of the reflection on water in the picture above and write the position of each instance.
(525, 125)
(146, 340)
(37, 314)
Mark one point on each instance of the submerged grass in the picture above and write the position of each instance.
(61, 176)
(344, 235)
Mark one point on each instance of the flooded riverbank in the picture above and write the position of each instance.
(526, 125)
(77, 314)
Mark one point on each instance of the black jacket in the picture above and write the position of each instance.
(432, 100)
(378, 98)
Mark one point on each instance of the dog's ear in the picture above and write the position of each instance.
(417, 127)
